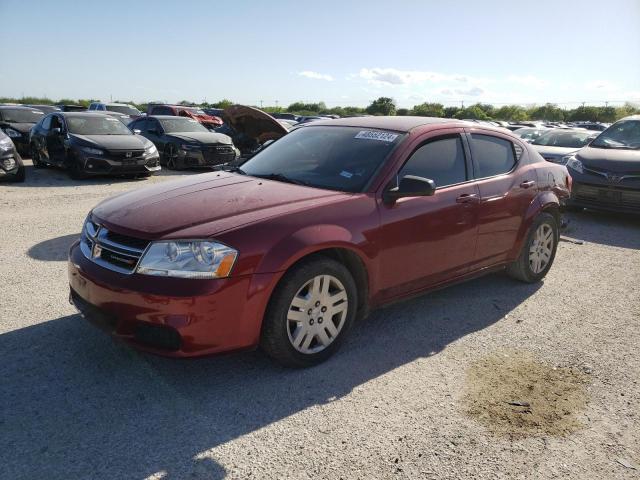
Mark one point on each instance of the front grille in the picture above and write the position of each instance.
(122, 154)
(111, 250)
(622, 197)
(217, 154)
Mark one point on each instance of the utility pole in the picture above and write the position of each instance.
(277, 109)
(260, 104)
(462, 104)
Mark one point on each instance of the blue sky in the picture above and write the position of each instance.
(342, 52)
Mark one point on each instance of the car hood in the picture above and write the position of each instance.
(254, 123)
(113, 142)
(554, 153)
(610, 159)
(202, 137)
(205, 205)
(21, 127)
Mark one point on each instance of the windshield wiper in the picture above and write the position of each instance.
(232, 169)
(282, 178)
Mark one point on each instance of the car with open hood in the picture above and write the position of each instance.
(556, 144)
(11, 166)
(326, 223)
(606, 173)
(184, 142)
(89, 144)
(250, 128)
(196, 113)
(17, 121)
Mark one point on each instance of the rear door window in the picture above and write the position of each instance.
(441, 160)
(491, 155)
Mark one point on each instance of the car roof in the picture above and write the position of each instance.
(17, 107)
(398, 124)
(168, 117)
(83, 114)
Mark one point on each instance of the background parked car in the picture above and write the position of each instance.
(45, 108)
(11, 166)
(184, 142)
(72, 108)
(195, 113)
(606, 173)
(554, 145)
(121, 108)
(16, 122)
(250, 128)
(91, 144)
(528, 134)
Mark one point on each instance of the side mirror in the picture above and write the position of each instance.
(136, 131)
(410, 186)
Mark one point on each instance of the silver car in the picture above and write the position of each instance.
(554, 145)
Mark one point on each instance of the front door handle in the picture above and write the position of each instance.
(527, 184)
(468, 198)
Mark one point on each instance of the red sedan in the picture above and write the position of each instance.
(328, 222)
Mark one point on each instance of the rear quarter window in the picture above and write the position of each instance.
(492, 155)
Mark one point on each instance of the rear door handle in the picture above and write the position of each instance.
(527, 184)
(468, 198)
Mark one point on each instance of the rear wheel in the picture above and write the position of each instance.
(538, 252)
(310, 313)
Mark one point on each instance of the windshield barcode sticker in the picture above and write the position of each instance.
(381, 136)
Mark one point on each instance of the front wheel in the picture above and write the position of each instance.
(538, 252)
(171, 157)
(310, 313)
(35, 157)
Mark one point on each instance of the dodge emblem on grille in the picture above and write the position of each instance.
(128, 154)
(97, 251)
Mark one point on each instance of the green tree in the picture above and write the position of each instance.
(428, 110)
(473, 112)
(382, 106)
(510, 112)
(548, 111)
(403, 112)
(451, 112)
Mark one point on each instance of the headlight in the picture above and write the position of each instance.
(150, 150)
(572, 162)
(9, 163)
(188, 259)
(92, 151)
(5, 145)
(190, 147)
(13, 133)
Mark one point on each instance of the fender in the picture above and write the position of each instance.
(542, 201)
(312, 239)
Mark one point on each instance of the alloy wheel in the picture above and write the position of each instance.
(541, 248)
(317, 314)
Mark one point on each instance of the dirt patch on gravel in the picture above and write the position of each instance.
(513, 393)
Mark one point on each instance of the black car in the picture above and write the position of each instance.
(11, 166)
(184, 142)
(16, 121)
(71, 108)
(606, 173)
(91, 144)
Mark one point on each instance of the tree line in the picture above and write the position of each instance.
(387, 106)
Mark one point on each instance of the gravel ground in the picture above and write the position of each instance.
(394, 403)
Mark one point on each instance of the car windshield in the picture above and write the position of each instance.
(564, 138)
(334, 158)
(90, 125)
(126, 109)
(18, 115)
(179, 124)
(624, 134)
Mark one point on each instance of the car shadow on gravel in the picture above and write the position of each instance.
(75, 404)
(605, 228)
(54, 249)
(57, 177)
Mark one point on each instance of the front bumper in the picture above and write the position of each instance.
(105, 165)
(170, 316)
(605, 197)
(15, 170)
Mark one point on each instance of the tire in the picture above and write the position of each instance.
(171, 157)
(35, 157)
(294, 331)
(540, 246)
